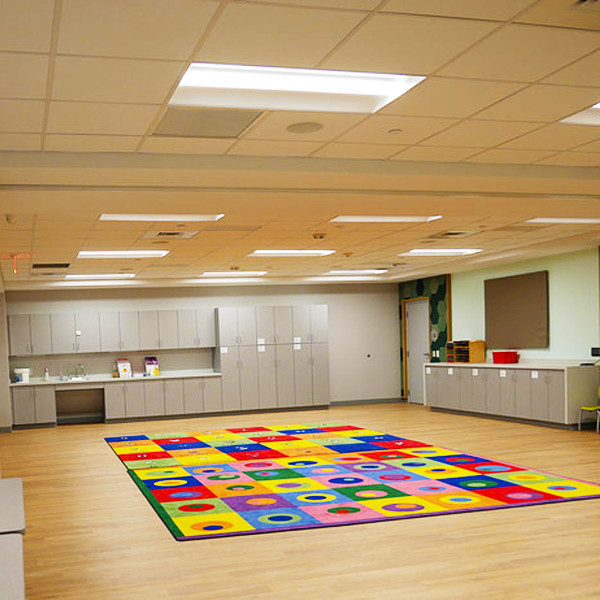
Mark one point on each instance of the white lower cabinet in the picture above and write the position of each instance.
(34, 405)
(114, 401)
(154, 398)
(213, 401)
(193, 396)
(302, 375)
(174, 402)
(550, 394)
(286, 394)
(267, 376)
(135, 404)
(320, 374)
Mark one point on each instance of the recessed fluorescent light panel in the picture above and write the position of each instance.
(565, 221)
(275, 88)
(291, 253)
(233, 273)
(122, 253)
(161, 218)
(224, 280)
(101, 276)
(359, 272)
(93, 283)
(348, 278)
(441, 252)
(589, 116)
(382, 219)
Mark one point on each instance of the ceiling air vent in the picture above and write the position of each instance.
(190, 122)
(51, 266)
(169, 235)
(452, 234)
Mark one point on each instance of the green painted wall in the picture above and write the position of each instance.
(436, 290)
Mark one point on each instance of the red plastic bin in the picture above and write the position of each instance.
(505, 358)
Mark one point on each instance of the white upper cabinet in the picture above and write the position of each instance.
(187, 328)
(19, 335)
(87, 332)
(41, 334)
(227, 326)
(129, 327)
(63, 333)
(149, 336)
(300, 324)
(283, 324)
(167, 329)
(110, 334)
(206, 327)
(265, 325)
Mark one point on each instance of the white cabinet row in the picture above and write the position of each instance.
(540, 394)
(194, 395)
(248, 326)
(110, 331)
(274, 376)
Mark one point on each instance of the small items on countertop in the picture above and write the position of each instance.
(124, 368)
(46, 374)
(151, 363)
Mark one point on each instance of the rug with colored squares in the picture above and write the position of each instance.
(237, 481)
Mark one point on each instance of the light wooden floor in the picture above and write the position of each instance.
(91, 534)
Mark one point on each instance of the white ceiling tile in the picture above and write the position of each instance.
(114, 80)
(133, 28)
(584, 72)
(271, 148)
(544, 103)
(274, 126)
(26, 25)
(441, 97)
(558, 136)
(23, 75)
(470, 9)
(348, 4)
(435, 153)
(509, 156)
(407, 44)
(376, 129)
(92, 143)
(581, 159)
(592, 147)
(480, 134)
(20, 141)
(276, 35)
(92, 117)
(365, 151)
(562, 13)
(22, 116)
(159, 144)
(522, 53)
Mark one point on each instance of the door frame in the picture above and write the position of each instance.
(404, 341)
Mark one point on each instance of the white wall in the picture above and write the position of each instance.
(5, 406)
(573, 303)
(363, 320)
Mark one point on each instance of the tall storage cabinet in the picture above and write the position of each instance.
(268, 359)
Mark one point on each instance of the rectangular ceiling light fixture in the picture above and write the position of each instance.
(122, 253)
(161, 218)
(589, 116)
(222, 280)
(564, 221)
(291, 253)
(358, 272)
(382, 219)
(101, 276)
(276, 88)
(233, 273)
(441, 252)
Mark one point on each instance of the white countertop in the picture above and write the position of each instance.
(557, 365)
(108, 378)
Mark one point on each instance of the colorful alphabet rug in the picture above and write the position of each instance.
(225, 482)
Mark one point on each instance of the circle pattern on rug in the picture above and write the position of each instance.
(212, 526)
(280, 519)
(371, 494)
(316, 497)
(347, 480)
(403, 507)
(196, 507)
(343, 510)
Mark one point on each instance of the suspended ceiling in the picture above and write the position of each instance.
(84, 86)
